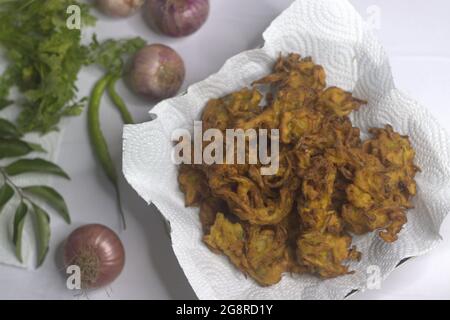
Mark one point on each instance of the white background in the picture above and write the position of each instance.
(415, 34)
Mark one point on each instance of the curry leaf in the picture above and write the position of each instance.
(36, 147)
(19, 222)
(6, 193)
(42, 228)
(10, 148)
(34, 165)
(52, 197)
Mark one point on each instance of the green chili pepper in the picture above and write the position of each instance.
(118, 101)
(98, 141)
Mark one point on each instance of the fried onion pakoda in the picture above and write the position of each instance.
(330, 184)
(260, 252)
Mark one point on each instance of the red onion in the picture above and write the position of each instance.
(177, 18)
(157, 71)
(98, 252)
(119, 8)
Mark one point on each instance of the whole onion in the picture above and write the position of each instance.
(119, 8)
(157, 71)
(176, 18)
(98, 252)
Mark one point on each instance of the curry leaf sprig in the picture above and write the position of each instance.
(12, 146)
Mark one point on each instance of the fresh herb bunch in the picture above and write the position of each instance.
(44, 60)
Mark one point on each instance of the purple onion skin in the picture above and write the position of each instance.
(157, 72)
(177, 18)
(102, 242)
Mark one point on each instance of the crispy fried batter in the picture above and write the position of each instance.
(208, 212)
(215, 116)
(299, 123)
(257, 251)
(294, 72)
(325, 253)
(228, 238)
(267, 253)
(339, 102)
(193, 184)
(383, 186)
(249, 205)
(329, 185)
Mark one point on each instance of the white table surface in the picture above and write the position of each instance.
(415, 34)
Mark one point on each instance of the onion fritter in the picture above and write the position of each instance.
(330, 184)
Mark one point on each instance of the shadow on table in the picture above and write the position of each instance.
(161, 253)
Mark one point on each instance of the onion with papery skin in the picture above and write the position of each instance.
(176, 18)
(157, 71)
(98, 252)
(119, 8)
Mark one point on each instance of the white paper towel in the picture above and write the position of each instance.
(333, 33)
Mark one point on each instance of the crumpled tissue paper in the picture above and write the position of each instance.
(335, 35)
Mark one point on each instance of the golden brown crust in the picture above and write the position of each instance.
(329, 183)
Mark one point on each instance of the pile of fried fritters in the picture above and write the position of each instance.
(330, 183)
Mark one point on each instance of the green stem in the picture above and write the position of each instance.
(98, 141)
(118, 101)
(14, 186)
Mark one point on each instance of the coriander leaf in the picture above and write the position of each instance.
(44, 59)
(75, 109)
(6, 82)
(110, 54)
(5, 103)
